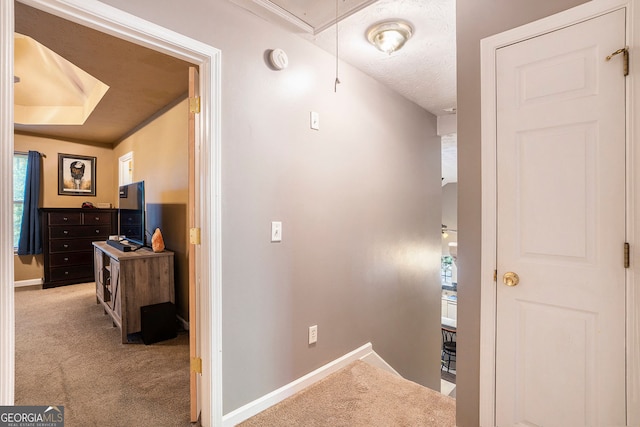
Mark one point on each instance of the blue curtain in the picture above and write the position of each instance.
(30, 237)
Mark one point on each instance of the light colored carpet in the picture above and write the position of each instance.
(360, 395)
(68, 353)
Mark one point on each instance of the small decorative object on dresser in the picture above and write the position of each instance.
(67, 234)
(157, 242)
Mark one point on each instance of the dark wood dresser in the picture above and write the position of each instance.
(67, 234)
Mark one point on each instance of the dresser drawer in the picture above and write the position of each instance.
(72, 272)
(71, 258)
(70, 245)
(60, 218)
(94, 217)
(61, 232)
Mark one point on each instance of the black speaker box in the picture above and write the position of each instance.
(158, 322)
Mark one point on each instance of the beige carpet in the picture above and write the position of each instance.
(360, 395)
(68, 353)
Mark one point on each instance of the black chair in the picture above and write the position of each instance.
(448, 347)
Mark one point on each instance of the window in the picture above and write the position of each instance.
(19, 178)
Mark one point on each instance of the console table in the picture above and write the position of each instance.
(126, 281)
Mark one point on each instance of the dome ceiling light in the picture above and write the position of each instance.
(389, 36)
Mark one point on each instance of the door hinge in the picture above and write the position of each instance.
(196, 365)
(495, 275)
(194, 236)
(194, 105)
(627, 258)
(625, 59)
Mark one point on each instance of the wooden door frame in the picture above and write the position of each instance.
(489, 47)
(109, 20)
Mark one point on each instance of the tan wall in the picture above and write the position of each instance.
(28, 267)
(31, 267)
(105, 183)
(160, 158)
(477, 19)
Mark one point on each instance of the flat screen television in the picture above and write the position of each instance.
(131, 213)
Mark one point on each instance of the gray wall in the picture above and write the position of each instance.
(477, 19)
(359, 201)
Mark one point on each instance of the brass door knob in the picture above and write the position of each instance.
(510, 279)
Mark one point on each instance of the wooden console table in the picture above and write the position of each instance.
(126, 281)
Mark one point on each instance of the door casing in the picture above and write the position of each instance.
(107, 19)
(489, 46)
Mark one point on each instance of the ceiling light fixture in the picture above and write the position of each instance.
(389, 36)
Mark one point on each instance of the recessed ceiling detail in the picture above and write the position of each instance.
(142, 82)
(51, 90)
(310, 16)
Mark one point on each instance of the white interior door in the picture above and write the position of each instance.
(560, 338)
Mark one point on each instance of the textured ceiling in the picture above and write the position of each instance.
(424, 70)
(142, 81)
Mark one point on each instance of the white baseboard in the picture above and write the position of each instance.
(375, 360)
(364, 353)
(183, 322)
(30, 282)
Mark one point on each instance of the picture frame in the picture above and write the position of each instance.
(76, 175)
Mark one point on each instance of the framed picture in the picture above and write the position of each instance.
(76, 175)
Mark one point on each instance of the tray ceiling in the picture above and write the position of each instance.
(142, 82)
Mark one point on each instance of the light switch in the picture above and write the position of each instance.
(276, 231)
(315, 120)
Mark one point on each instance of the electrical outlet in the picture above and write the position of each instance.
(313, 334)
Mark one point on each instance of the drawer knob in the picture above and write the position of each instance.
(97, 218)
(66, 232)
(97, 231)
(65, 246)
(66, 272)
(66, 259)
(65, 219)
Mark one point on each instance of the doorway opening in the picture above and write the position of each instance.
(447, 130)
(207, 209)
